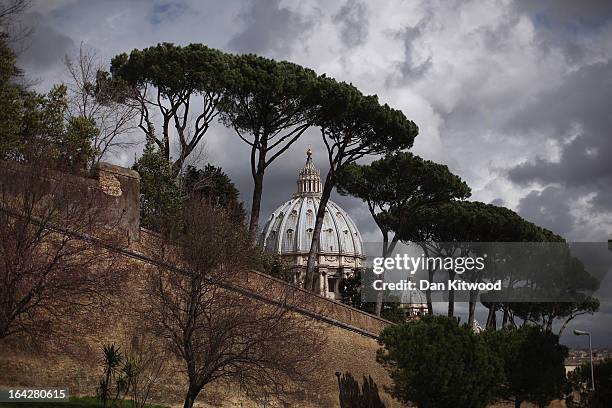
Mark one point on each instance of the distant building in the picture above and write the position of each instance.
(578, 357)
(413, 304)
(289, 230)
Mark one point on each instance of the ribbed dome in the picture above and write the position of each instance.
(414, 303)
(289, 229)
(413, 297)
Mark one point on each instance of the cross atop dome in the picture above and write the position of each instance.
(309, 178)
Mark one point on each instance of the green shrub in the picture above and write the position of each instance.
(436, 363)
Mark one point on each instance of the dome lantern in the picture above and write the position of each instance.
(309, 179)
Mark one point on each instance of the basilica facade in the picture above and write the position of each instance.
(289, 230)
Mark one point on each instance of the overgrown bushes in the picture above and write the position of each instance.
(436, 362)
(580, 381)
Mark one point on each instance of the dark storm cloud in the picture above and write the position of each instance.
(584, 166)
(352, 19)
(548, 208)
(45, 47)
(411, 67)
(568, 10)
(269, 27)
(498, 38)
(498, 202)
(562, 24)
(167, 11)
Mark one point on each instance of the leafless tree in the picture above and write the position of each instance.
(221, 333)
(11, 8)
(151, 360)
(10, 24)
(51, 271)
(96, 99)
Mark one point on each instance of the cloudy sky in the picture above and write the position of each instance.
(514, 96)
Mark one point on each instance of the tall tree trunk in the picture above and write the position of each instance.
(451, 296)
(492, 318)
(177, 166)
(566, 322)
(256, 205)
(430, 276)
(192, 394)
(379, 294)
(258, 179)
(166, 136)
(472, 307)
(505, 318)
(316, 234)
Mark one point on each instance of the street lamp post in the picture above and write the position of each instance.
(585, 333)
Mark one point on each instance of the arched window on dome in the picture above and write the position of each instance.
(329, 239)
(309, 218)
(357, 242)
(289, 241)
(309, 235)
(346, 241)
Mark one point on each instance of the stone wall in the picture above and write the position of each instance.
(352, 333)
(115, 189)
(316, 306)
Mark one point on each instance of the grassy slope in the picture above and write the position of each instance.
(75, 402)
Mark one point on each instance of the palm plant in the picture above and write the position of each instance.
(127, 378)
(111, 360)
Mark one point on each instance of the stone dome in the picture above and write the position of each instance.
(413, 297)
(413, 303)
(289, 228)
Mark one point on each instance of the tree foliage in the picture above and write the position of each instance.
(400, 181)
(10, 101)
(449, 228)
(183, 85)
(397, 186)
(435, 362)
(352, 126)
(212, 185)
(38, 129)
(274, 264)
(269, 104)
(161, 194)
(533, 362)
(580, 380)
